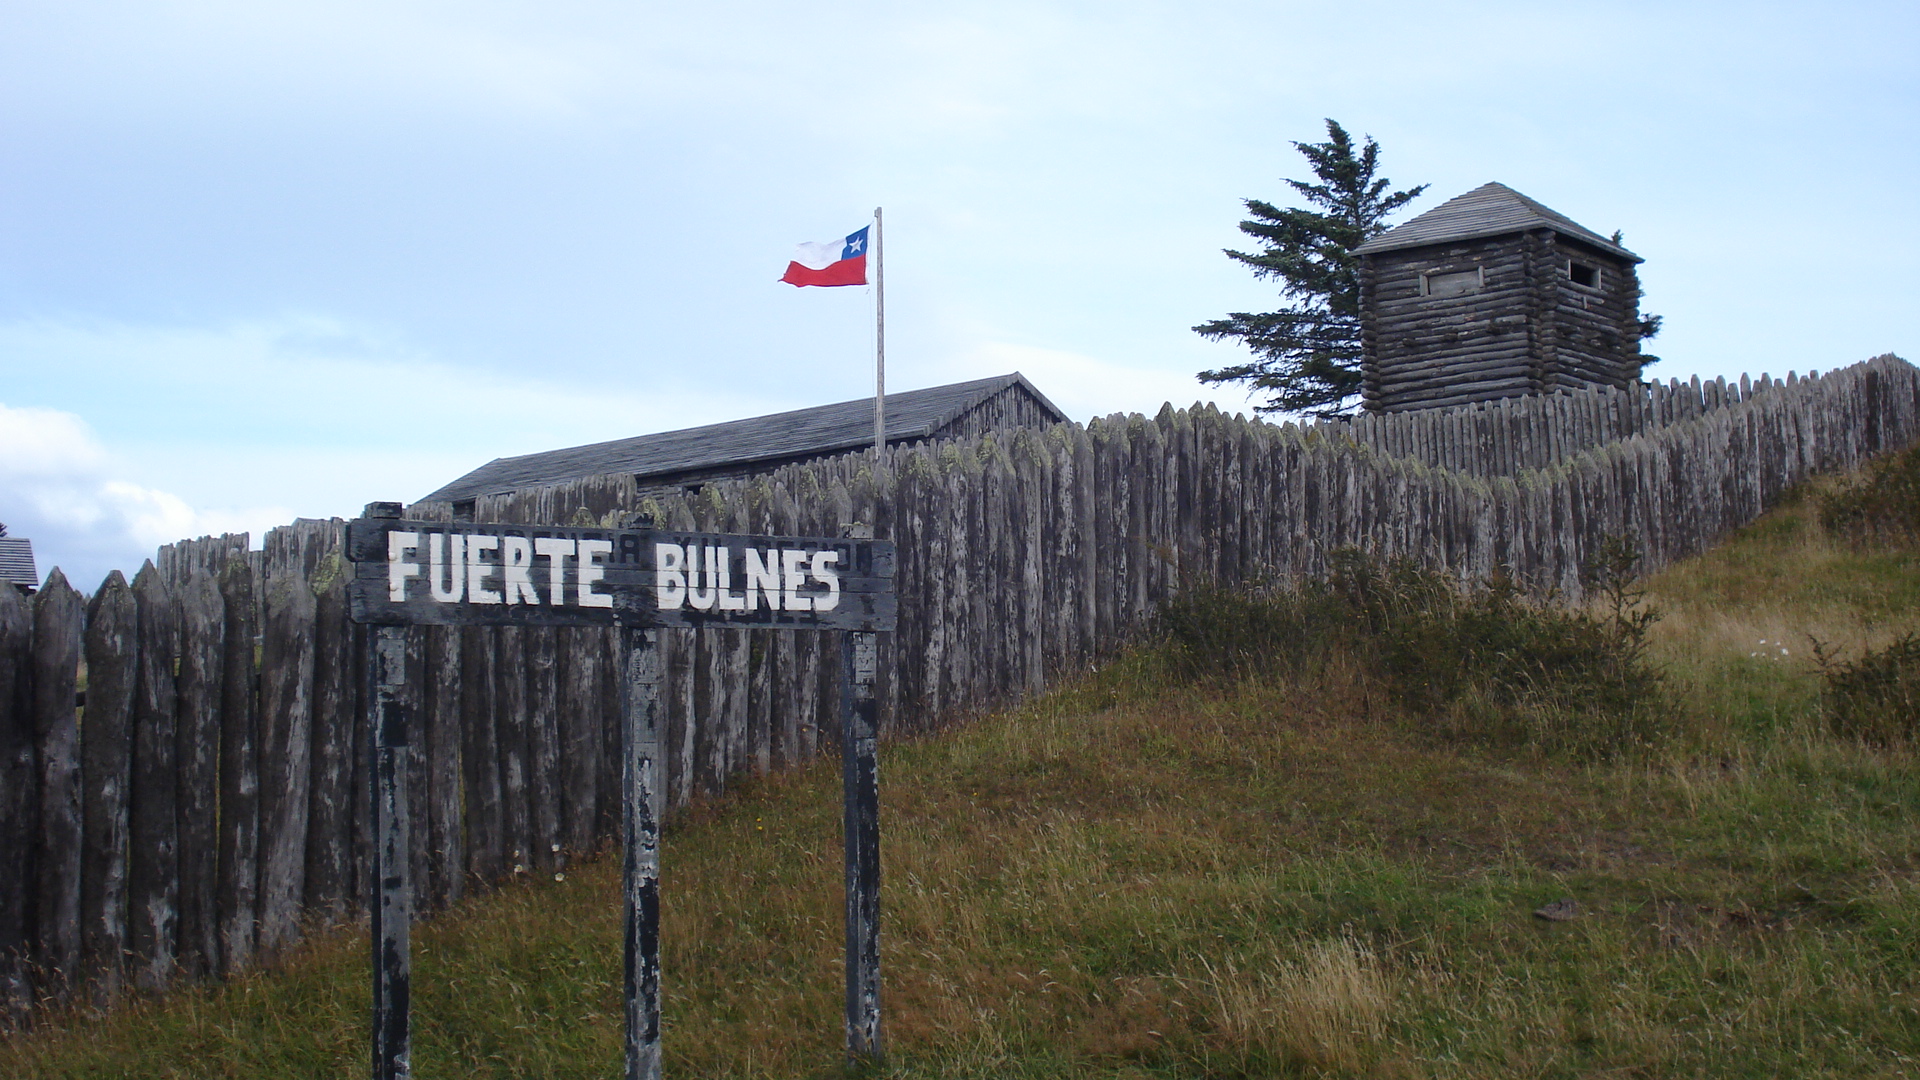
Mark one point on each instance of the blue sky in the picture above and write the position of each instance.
(263, 259)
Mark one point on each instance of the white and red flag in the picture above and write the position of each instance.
(836, 262)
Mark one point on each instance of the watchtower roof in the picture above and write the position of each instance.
(1488, 210)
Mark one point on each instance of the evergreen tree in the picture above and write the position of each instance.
(1308, 353)
(1649, 324)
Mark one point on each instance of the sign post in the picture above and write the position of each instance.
(640, 869)
(410, 573)
(860, 787)
(389, 747)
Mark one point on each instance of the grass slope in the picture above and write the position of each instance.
(1131, 877)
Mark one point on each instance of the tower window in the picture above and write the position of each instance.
(1452, 282)
(1582, 274)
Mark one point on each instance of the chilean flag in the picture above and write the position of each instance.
(836, 262)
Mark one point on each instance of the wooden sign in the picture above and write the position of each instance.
(409, 573)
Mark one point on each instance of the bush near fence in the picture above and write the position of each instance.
(208, 805)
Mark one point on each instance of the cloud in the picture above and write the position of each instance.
(324, 385)
(251, 59)
(62, 489)
(36, 444)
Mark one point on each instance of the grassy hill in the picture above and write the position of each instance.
(1152, 874)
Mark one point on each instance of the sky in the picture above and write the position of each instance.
(263, 259)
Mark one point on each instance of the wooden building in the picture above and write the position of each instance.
(1492, 295)
(16, 562)
(676, 461)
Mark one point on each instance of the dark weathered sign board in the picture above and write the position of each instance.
(410, 573)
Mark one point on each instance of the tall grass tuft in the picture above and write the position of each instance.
(1479, 663)
(1326, 1010)
(1876, 698)
(1880, 506)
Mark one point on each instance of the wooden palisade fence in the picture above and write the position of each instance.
(208, 804)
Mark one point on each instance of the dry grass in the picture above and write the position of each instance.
(1742, 622)
(1784, 582)
(1326, 1010)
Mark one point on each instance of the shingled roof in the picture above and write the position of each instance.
(803, 433)
(1488, 210)
(16, 562)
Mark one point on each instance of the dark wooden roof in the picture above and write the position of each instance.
(1488, 210)
(16, 562)
(781, 437)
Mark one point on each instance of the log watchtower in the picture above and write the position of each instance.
(1492, 295)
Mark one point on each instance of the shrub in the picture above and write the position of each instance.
(1479, 662)
(1213, 631)
(1881, 507)
(1877, 697)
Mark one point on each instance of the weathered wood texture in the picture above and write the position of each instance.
(1526, 324)
(58, 619)
(582, 736)
(439, 744)
(329, 843)
(286, 757)
(19, 808)
(203, 639)
(106, 766)
(153, 864)
(236, 893)
(1514, 435)
(209, 555)
(391, 721)
(1021, 558)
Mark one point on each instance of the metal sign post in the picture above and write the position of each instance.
(411, 573)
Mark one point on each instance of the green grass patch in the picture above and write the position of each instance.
(1478, 661)
(1878, 506)
(1877, 697)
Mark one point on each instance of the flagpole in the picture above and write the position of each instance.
(879, 339)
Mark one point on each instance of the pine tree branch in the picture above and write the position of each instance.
(1306, 355)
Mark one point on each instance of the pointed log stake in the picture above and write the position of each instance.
(153, 862)
(106, 768)
(237, 896)
(861, 794)
(329, 849)
(58, 614)
(202, 642)
(19, 808)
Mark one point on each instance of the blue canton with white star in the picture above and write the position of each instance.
(856, 245)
